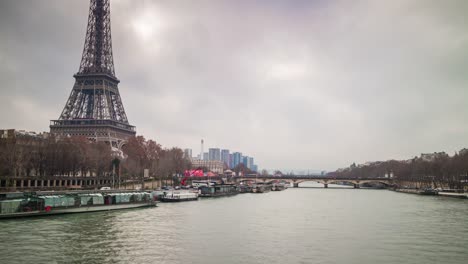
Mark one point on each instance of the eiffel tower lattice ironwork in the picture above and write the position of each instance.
(94, 108)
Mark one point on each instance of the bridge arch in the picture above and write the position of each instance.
(344, 181)
(384, 182)
(296, 180)
(326, 182)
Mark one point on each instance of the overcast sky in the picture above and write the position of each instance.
(296, 84)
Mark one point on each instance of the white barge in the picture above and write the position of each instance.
(176, 196)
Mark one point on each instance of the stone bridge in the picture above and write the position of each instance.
(297, 179)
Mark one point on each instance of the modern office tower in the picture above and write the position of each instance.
(236, 159)
(214, 154)
(254, 168)
(250, 163)
(225, 156)
(231, 161)
(245, 160)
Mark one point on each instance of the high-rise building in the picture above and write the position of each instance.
(225, 156)
(205, 156)
(254, 168)
(245, 160)
(236, 159)
(231, 161)
(250, 163)
(214, 154)
(188, 153)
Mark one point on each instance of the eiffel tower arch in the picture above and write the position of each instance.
(94, 108)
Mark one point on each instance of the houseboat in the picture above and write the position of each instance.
(177, 196)
(278, 186)
(218, 190)
(262, 188)
(245, 188)
(13, 205)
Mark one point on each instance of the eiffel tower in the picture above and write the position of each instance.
(94, 108)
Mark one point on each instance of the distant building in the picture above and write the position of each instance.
(231, 161)
(245, 160)
(20, 145)
(433, 156)
(236, 159)
(214, 154)
(463, 151)
(205, 156)
(254, 168)
(250, 163)
(216, 166)
(188, 153)
(225, 156)
(369, 163)
(21, 134)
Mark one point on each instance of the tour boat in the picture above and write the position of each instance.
(13, 205)
(178, 196)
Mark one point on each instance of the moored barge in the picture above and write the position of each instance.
(278, 187)
(178, 196)
(262, 188)
(218, 190)
(245, 189)
(15, 205)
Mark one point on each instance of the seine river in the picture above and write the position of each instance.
(302, 225)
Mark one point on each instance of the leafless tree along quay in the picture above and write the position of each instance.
(435, 170)
(147, 154)
(29, 156)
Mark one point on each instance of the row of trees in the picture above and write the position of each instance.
(161, 163)
(433, 170)
(32, 156)
(77, 156)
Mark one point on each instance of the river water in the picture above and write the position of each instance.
(298, 225)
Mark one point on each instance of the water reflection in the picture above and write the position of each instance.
(299, 225)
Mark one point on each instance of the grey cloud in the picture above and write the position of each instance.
(302, 84)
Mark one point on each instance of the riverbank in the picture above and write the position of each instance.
(452, 194)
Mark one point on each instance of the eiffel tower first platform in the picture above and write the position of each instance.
(94, 108)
